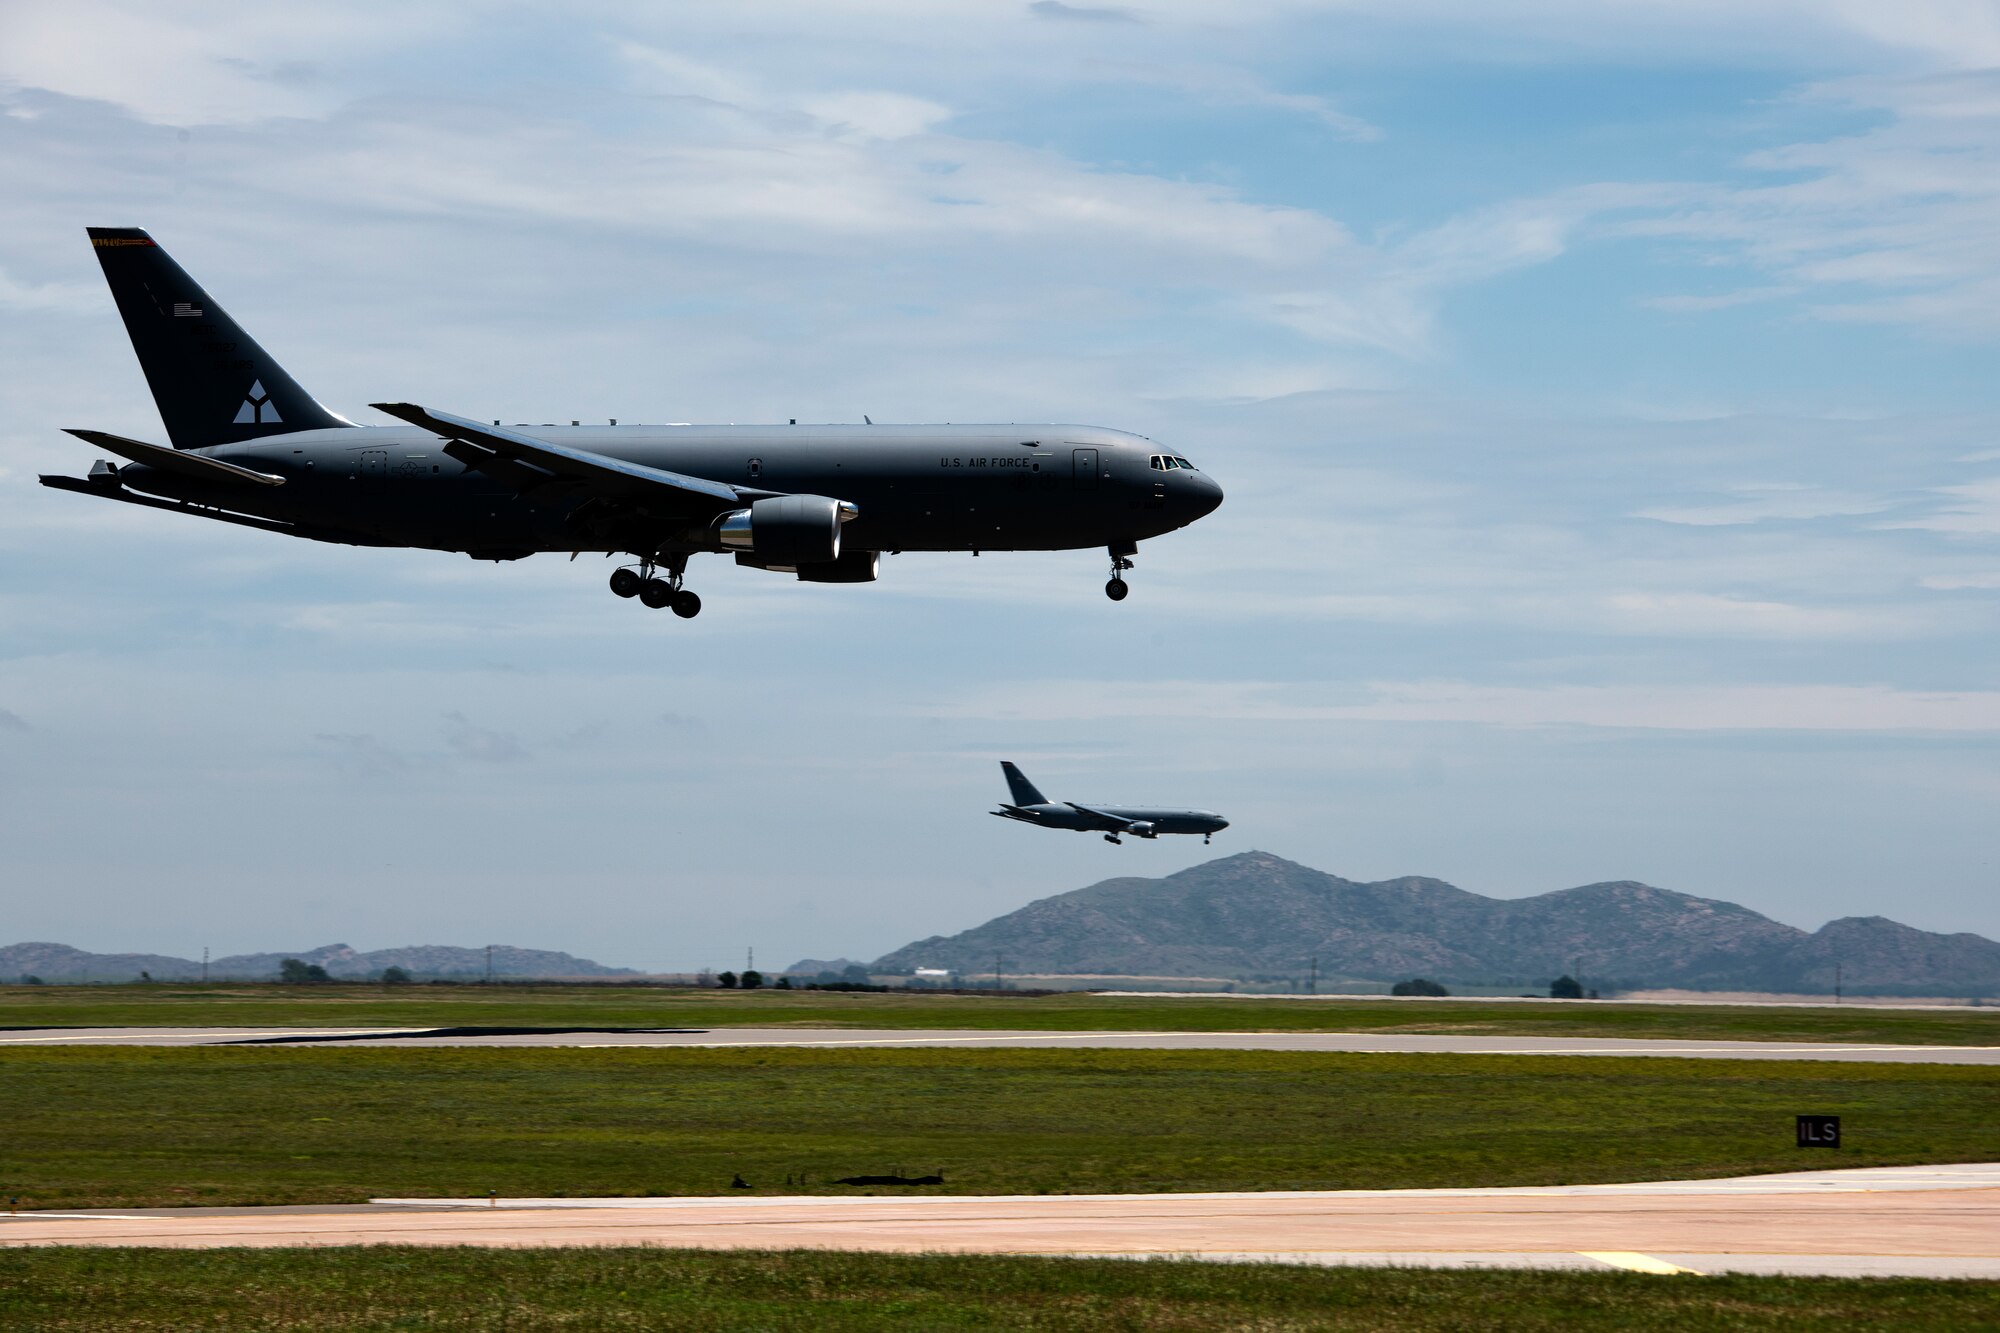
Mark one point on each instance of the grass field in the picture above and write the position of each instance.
(457, 1006)
(110, 1127)
(352, 1290)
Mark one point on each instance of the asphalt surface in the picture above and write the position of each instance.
(1939, 1221)
(823, 1038)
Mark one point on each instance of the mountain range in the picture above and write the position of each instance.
(1258, 915)
(60, 962)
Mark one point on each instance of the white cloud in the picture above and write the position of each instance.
(1804, 707)
(1761, 502)
(1971, 510)
(1701, 305)
(877, 115)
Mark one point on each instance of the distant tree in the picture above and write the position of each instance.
(784, 983)
(395, 976)
(856, 973)
(726, 980)
(1417, 986)
(751, 979)
(294, 972)
(145, 976)
(1566, 987)
(32, 980)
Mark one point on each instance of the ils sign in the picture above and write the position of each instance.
(1819, 1131)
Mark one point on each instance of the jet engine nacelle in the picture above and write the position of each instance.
(787, 529)
(1141, 829)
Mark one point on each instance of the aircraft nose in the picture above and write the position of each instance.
(1204, 492)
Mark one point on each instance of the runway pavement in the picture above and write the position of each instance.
(1909, 1221)
(862, 1039)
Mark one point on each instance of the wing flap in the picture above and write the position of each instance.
(185, 462)
(599, 474)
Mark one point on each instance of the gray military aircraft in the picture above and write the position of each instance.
(1031, 807)
(250, 446)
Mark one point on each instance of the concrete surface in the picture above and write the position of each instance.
(1939, 1221)
(861, 1039)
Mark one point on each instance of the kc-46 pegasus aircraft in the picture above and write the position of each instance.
(250, 446)
(1031, 807)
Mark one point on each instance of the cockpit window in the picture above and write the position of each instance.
(1170, 463)
(1182, 462)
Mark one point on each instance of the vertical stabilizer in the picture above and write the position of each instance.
(212, 382)
(1024, 790)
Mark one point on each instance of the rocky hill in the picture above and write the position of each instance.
(60, 962)
(1256, 914)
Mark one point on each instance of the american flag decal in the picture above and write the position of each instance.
(187, 310)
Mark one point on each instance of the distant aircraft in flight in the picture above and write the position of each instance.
(249, 446)
(1031, 807)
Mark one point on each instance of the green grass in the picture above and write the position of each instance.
(555, 1006)
(111, 1127)
(398, 1288)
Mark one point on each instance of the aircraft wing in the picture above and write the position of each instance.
(177, 460)
(1111, 821)
(526, 462)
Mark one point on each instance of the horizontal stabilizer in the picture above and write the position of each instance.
(176, 460)
(599, 474)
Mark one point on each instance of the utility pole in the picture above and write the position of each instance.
(489, 965)
(997, 961)
(1312, 986)
(204, 964)
(1836, 983)
(749, 958)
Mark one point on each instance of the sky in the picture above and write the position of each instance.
(1603, 394)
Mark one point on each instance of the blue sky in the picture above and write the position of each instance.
(1603, 395)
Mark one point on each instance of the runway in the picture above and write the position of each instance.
(1941, 1221)
(1398, 1043)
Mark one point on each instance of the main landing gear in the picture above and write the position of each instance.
(1112, 838)
(1121, 560)
(656, 592)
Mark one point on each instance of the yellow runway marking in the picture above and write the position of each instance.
(1638, 1263)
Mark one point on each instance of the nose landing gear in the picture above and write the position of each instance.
(654, 591)
(1121, 560)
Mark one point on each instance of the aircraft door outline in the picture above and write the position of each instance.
(374, 471)
(1084, 468)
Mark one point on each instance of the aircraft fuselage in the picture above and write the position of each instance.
(917, 488)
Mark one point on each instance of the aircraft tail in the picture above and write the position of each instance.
(212, 382)
(1024, 790)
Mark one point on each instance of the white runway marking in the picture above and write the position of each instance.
(1638, 1263)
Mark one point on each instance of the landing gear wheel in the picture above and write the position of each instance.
(656, 593)
(1112, 838)
(625, 582)
(1121, 560)
(686, 605)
